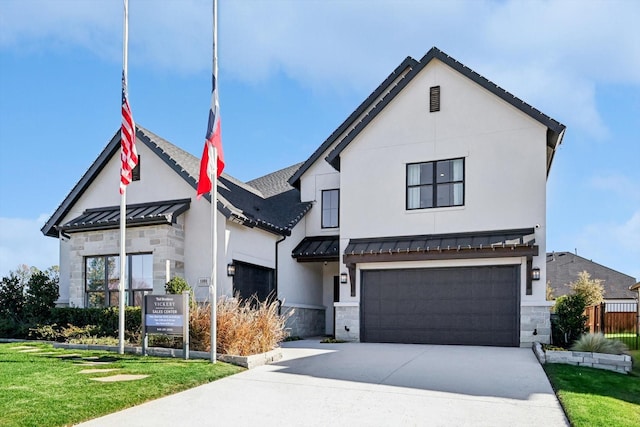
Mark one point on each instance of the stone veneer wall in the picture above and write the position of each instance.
(165, 242)
(347, 317)
(304, 321)
(535, 325)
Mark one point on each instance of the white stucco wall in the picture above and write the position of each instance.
(298, 282)
(505, 165)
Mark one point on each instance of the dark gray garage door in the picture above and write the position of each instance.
(470, 306)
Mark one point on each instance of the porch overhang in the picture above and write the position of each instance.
(154, 213)
(317, 249)
(485, 244)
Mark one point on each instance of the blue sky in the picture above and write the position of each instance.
(290, 73)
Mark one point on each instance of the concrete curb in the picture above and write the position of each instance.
(248, 362)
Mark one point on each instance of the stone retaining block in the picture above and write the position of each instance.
(611, 362)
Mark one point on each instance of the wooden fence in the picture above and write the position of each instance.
(616, 320)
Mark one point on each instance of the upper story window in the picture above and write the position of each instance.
(102, 279)
(330, 208)
(435, 184)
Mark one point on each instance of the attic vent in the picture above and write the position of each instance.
(135, 173)
(434, 99)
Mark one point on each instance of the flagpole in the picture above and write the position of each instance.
(213, 176)
(123, 198)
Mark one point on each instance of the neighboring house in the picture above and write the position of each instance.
(421, 219)
(563, 268)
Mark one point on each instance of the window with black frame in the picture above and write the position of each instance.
(436, 184)
(102, 279)
(330, 208)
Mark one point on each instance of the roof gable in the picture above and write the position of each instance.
(236, 200)
(394, 84)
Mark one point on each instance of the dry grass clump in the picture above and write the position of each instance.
(598, 343)
(244, 327)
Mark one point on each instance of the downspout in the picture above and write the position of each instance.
(275, 278)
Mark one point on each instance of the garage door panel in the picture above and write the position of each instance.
(472, 305)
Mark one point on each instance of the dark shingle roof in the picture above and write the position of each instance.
(564, 267)
(275, 182)
(394, 84)
(277, 214)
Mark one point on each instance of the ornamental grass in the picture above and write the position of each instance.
(598, 343)
(243, 327)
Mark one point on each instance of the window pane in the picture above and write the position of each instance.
(413, 198)
(142, 271)
(330, 211)
(113, 263)
(426, 173)
(458, 170)
(413, 174)
(426, 196)
(445, 171)
(95, 299)
(458, 192)
(137, 297)
(445, 195)
(94, 268)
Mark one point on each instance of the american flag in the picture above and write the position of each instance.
(128, 154)
(212, 140)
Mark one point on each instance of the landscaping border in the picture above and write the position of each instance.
(611, 362)
(248, 362)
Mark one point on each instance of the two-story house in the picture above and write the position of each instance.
(421, 219)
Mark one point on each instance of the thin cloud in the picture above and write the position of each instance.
(530, 48)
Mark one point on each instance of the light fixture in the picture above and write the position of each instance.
(343, 278)
(535, 273)
(231, 270)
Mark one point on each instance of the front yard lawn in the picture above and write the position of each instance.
(39, 387)
(593, 397)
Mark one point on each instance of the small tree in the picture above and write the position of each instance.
(40, 297)
(571, 320)
(591, 289)
(11, 297)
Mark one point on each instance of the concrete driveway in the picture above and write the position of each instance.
(359, 384)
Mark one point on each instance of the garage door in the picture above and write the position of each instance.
(469, 306)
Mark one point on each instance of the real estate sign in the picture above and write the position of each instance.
(164, 314)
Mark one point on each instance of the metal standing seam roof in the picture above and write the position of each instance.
(318, 248)
(165, 212)
(442, 242)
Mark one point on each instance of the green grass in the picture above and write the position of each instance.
(46, 390)
(593, 397)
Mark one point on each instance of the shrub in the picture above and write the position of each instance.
(570, 320)
(591, 289)
(598, 343)
(176, 286)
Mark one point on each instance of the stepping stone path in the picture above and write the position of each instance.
(121, 377)
(86, 361)
(97, 371)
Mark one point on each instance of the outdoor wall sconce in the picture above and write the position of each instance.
(343, 278)
(535, 273)
(231, 270)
